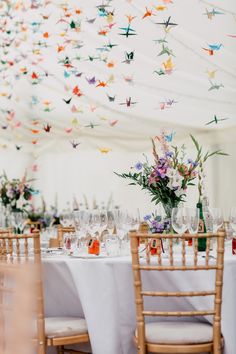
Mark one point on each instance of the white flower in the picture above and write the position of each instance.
(177, 180)
(170, 172)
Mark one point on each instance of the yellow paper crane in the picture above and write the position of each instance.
(168, 65)
(104, 150)
(211, 73)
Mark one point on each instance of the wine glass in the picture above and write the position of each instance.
(83, 233)
(77, 220)
(179, 220)
(66, 219)
(95, 222)
(217, 218)
(192, 219)
(18, 219)
(232, 218)
(208, 218)
(110, 221)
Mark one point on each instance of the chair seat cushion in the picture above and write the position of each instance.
(64, 326)
(178, 332)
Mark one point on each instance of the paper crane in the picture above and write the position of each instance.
(167, 23)
(216, 120)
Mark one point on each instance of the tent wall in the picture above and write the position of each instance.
(89, 173)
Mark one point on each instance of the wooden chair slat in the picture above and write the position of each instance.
(178, 313)
(178, 294)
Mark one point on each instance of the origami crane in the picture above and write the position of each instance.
(216, 120)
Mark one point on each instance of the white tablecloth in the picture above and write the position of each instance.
(102, 291)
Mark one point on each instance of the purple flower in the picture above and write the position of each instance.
(147, 217)
(192, 162)
(157, 226)
(169, 154)
(138, 166)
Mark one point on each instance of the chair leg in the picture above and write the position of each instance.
(60, 349)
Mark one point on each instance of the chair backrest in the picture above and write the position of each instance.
(61, 231)
(35, 225)
(17, 307)
(25, 249)
(179, 263)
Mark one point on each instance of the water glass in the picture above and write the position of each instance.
(179, 220)
(112, 245)
(70, 243)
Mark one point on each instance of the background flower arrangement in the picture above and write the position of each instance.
(16, 194)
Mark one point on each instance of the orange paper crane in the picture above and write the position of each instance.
(76, 91)
(101, 84)
(148, 13)
(130, 18)
(209, 51)
(35, 131)
(60, 48)
(103, 32)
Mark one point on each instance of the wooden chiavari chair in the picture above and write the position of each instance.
(35, 225)
(61, 231)
(169, 336)
(17, 308)
(51, 331)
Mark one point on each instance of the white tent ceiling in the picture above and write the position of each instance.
(48, 49)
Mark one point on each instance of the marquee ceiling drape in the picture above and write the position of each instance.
(108, 74)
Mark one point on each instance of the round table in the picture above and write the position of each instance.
(101, 290)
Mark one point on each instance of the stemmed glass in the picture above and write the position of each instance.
(217, 218)
(192, 219)
(232, 218)
(213, 221)
(208, 218)
(179, 220)
(18, 220)
(77, 221)
(110, 221)
(95, 222)
(66, 219)
(85, 218)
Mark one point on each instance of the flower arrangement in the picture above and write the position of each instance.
(16, 194)
(169, 176)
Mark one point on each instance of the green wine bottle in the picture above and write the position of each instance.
(201, 229)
